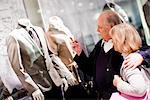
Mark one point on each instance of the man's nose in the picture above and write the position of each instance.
(97, 29)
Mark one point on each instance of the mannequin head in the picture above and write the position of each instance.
(56, 23)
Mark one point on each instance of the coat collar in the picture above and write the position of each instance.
(107, 45)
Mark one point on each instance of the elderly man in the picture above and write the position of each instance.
(103, 62)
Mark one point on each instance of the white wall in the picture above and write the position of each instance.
(33, 12)
(10, 12)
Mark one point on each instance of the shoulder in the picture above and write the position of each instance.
(38, 29)
(98, 43)
(10, 40)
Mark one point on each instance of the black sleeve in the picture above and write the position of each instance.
(145, 52)
(83, 63)
(117, 62)
(87, 64)
(4, 93)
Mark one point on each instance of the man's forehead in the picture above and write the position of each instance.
(101, 20)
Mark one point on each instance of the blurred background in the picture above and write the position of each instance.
(80, 16)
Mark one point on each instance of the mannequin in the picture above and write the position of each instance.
(60, 41)
(60, 38)
(28, 59)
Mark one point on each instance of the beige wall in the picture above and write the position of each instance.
(33, 12)
(79, 15)
(10, 12)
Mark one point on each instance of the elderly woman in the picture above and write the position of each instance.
(126, 40)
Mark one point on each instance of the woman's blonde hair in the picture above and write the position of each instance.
(125, 38)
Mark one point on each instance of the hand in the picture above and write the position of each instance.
(71, 80)
(38, 95)
(116, 80)
(65, 84)
(76, 46)
(90, 83)
(10, 98)
(132, 60)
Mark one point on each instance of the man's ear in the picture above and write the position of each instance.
(109, 27)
